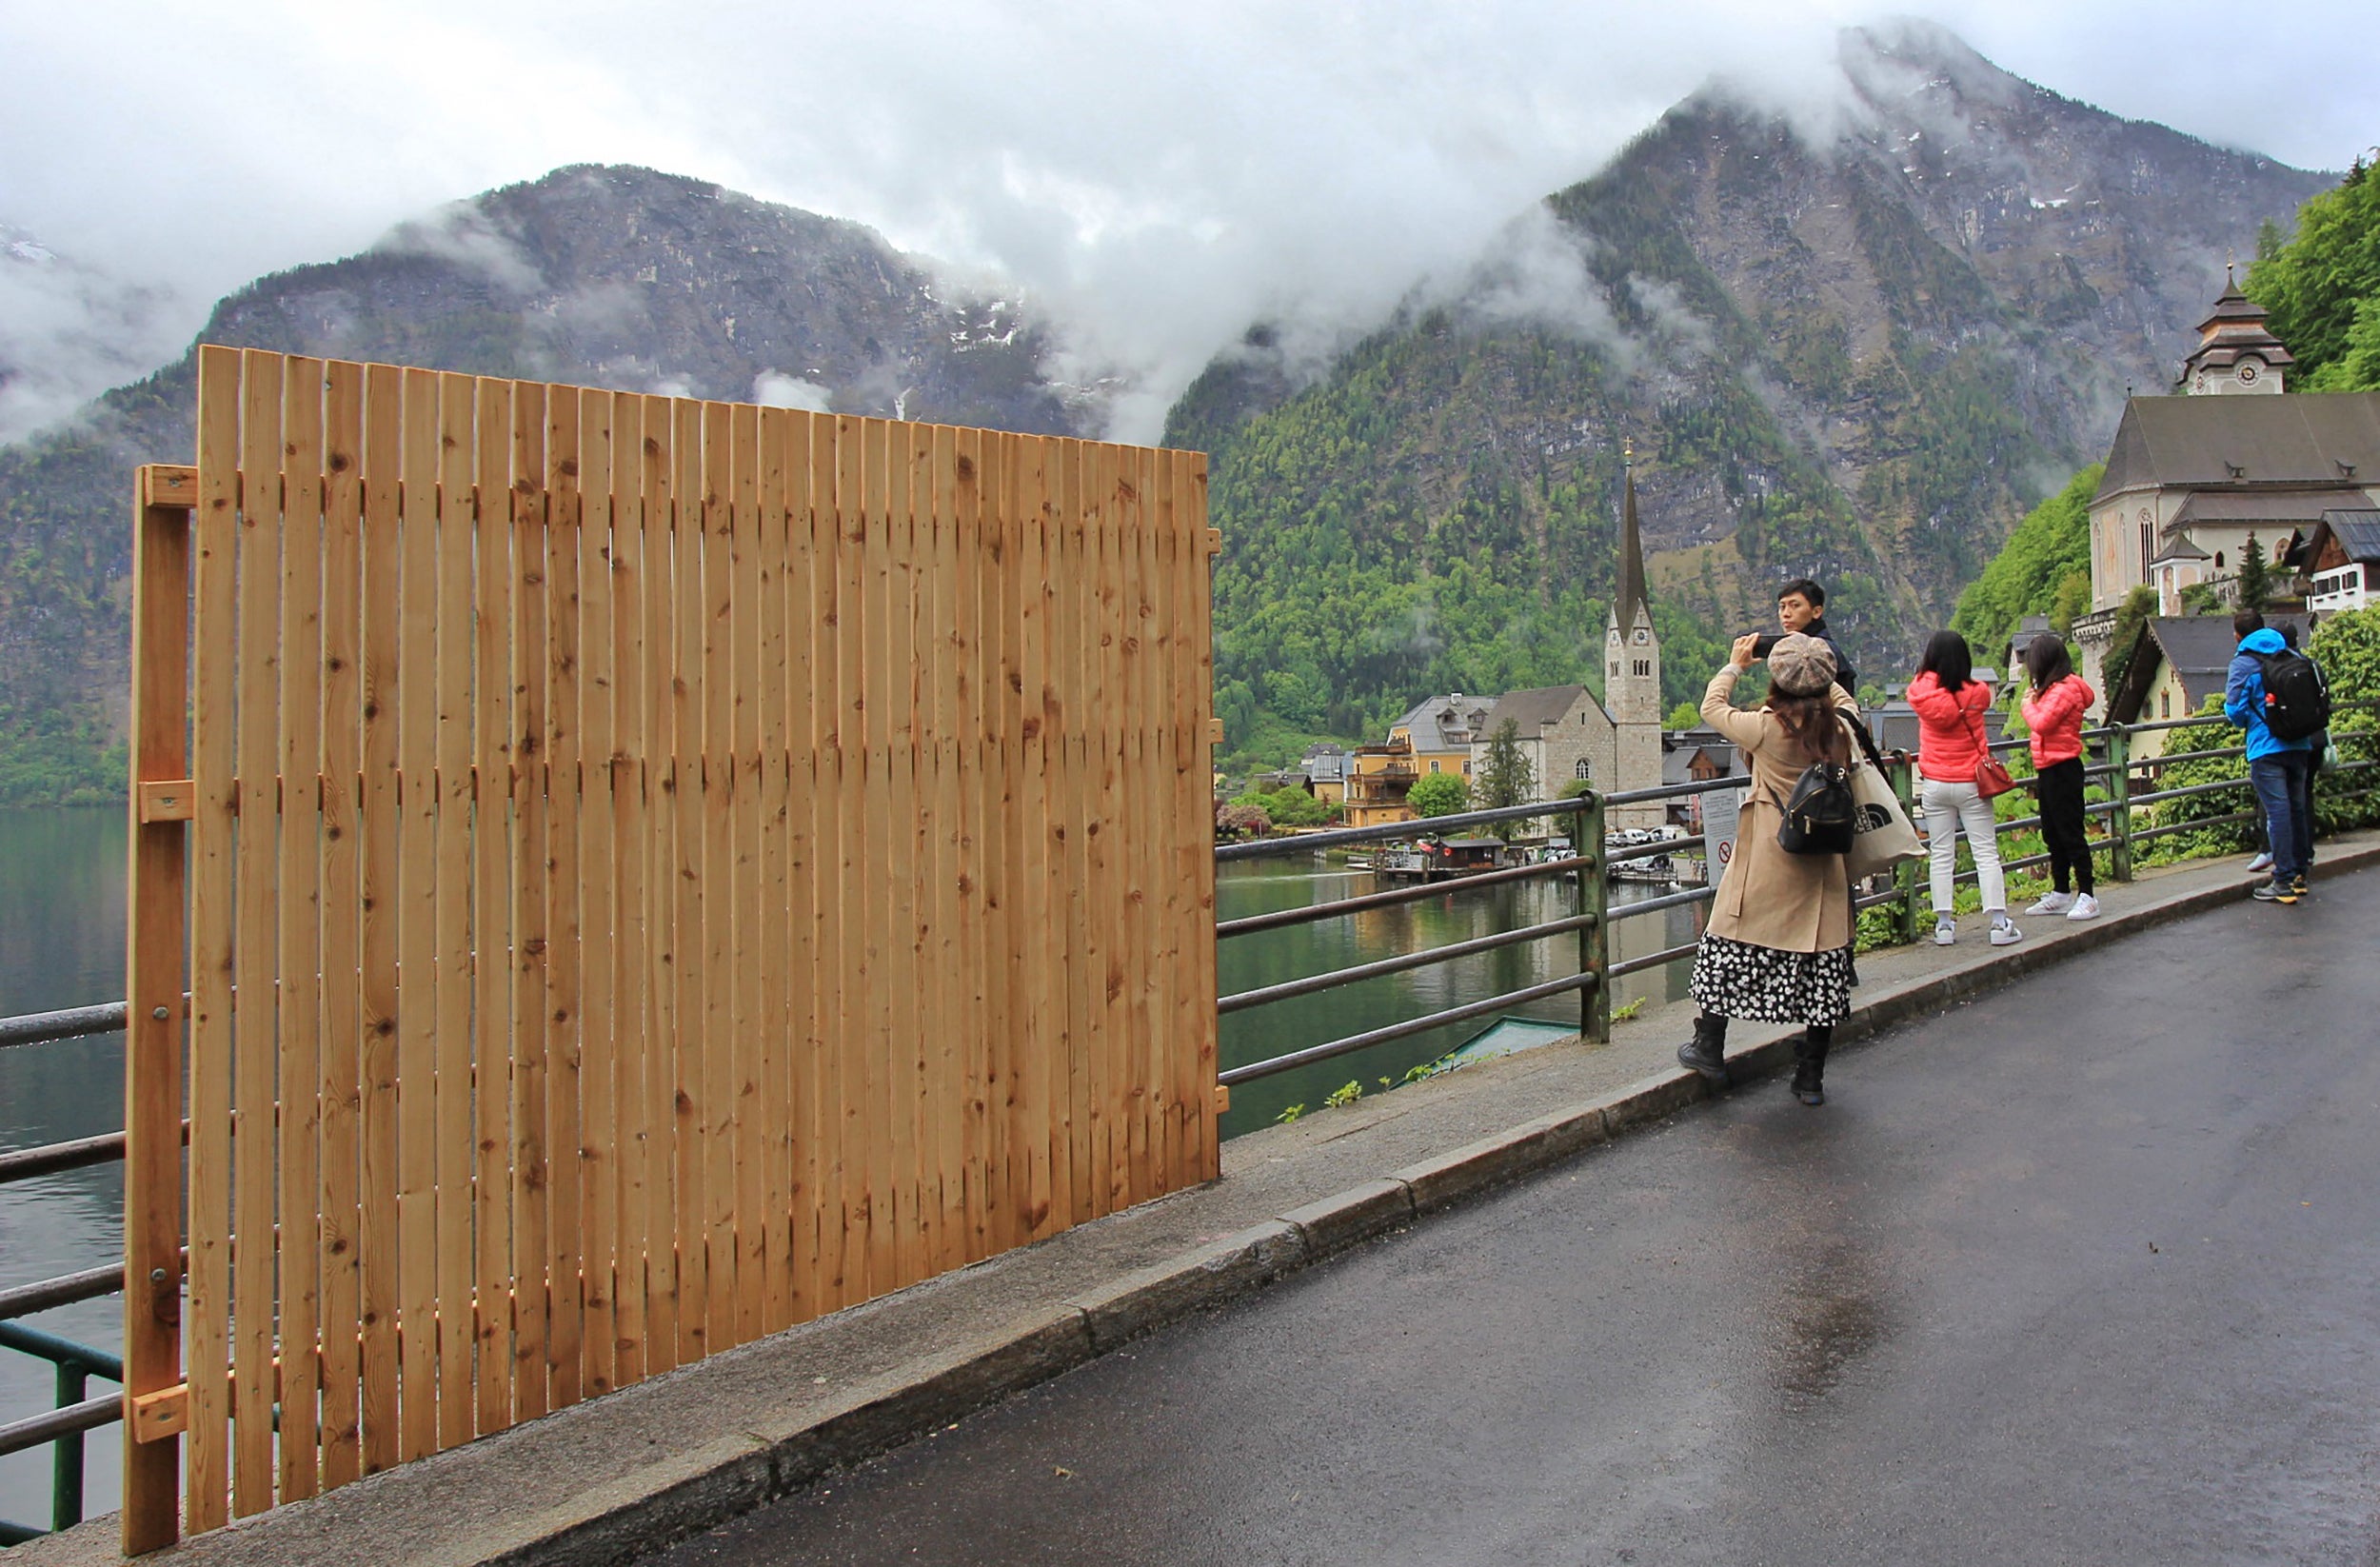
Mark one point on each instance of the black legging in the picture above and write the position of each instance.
(2062, 825)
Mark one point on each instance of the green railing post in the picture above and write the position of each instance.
(1905, 875)
(66, 1466)
(1594, 941)
(2120, 789)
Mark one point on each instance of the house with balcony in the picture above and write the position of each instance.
(2340, 560)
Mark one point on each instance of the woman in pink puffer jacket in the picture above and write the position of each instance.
(1950, 741)
(2054, 711)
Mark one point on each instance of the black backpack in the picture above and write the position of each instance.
(1822, 816)
(2296, 699)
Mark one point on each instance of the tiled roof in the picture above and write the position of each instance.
(2302, 439)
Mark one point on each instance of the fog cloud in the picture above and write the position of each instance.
(1157, 178)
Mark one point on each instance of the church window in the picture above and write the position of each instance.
(2145, 550)
(1644, 667)
(1586, 770)
(2164, 704)
(1616, 667)
(2218, 560)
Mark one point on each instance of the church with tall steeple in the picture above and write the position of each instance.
(1632, 669)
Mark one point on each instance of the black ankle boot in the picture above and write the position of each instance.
(1707, 1051)
(1810, 1062)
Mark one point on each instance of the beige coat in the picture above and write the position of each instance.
(1796, 902)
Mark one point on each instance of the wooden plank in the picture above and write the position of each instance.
(532, 1173)
(1136, 816)
(977, 777)
(342, 1083)
(631, 927)
(1096, 725)
(565, 1325)
(691, 1020)
(747, 924)
(599, 1015)
(955, 1010)
(157, 1416)
(886, 1139)
(172, 485)
(804, 1041)
(1038, 955)
(208, 1314)
(492, 872)
(852, 868)
(899, 972)
(771, 939)
(1069, 579)
(1178, 1065)
(300, 917)
(657, 473)
(254, 1090)
(380, 825)
(718, 1214)
(1206, 1151)
(457, 524)
(156, 942)
(417, 926)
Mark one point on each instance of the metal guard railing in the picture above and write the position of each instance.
(1591, 923)
(65, 1426)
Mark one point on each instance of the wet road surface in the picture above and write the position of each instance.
(2085, 1271)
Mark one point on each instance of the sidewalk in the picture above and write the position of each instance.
(609, 1481)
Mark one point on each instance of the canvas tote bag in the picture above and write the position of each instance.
(1881, 836)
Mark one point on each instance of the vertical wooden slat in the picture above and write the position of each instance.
(565, 1327)
(976, 777)
(155, 941)
(879, 1133)
(532, 1173)
(381, 826)
(897, 958)
(769, 943)
(810, 593)
(457, 527)
(300, 917)
(417, 925)
(632, 931)
(1096, 726)
(254, 1089)
(1069, 582)
(717, 1019)
(847, 924)
(1198, 661)
(690, 1018)
(801, 1047)
(1040, 930)
(342, 1085)
(663, 1276)
(1130, 800)
(1166, 786)
(749, 1032)
(599, 1031)
(491, 968)
(214, 715)
(954, 983)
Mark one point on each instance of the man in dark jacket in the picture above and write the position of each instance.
(1801, 607)
(2281, 770)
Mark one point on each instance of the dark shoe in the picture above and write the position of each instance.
(2297, 885)
(2275, 892)
(1810, 1063)
(1706, 1053)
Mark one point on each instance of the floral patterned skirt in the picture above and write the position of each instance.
(1764, 984)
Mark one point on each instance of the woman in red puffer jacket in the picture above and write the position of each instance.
(1950, 704)
(2054, 711)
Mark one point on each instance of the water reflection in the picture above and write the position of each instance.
(1458, 914)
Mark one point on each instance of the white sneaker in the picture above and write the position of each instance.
(2055, 902)
(2261, 863)
(1945, 932)
(2004, 932)
(2086, 907)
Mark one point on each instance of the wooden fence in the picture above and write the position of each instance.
(650, 872)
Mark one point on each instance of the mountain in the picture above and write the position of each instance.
(1857, 342)
(67, 329)
(610, 276)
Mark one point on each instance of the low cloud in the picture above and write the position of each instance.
(775, 389)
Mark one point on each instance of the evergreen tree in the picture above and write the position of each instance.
(2323, 287)
(2255, 578)
(1504, 776)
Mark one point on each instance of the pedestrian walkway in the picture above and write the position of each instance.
(604, 1480)
(2082, 1271)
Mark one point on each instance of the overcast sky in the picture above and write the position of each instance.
(1162, 174)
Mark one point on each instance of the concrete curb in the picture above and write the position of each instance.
(672, 1499)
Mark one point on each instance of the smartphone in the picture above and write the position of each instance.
(1763, 642)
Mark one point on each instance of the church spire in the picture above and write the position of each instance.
(1628, 597)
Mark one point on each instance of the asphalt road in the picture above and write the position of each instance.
(2085, 1271)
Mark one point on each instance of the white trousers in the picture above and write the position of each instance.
(1949, 809)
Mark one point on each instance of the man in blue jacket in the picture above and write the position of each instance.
(2281, 770)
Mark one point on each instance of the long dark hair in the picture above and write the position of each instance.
(2046, 661)
(1810, 722)
(1948, 660)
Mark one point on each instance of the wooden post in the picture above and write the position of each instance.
(154, 1018)
(1594, 941)
(2120, 790)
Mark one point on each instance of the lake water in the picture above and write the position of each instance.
(62, 945)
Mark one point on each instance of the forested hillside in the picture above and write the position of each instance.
(1864, 359)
